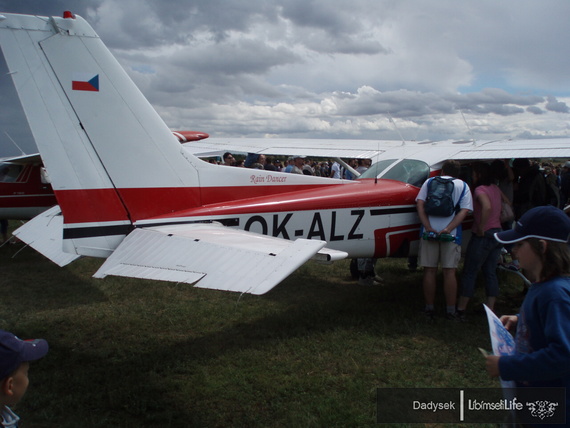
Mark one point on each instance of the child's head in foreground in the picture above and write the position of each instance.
(15, 357)
(542, 236)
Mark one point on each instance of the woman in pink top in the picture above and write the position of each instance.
(483, 250)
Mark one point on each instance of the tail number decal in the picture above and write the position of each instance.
(326, 225)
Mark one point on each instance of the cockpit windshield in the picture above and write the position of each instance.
(378, 168)
(410, 171)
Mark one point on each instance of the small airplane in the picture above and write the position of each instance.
(129, 192)
(25, 188)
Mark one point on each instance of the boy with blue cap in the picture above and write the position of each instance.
(15, 357)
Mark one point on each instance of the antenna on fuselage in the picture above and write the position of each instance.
(468, 128)
(12, 140)
(391, 119)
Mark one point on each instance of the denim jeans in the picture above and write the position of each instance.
(366, 266)
(482, 255)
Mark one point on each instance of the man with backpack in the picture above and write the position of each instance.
(442, 204)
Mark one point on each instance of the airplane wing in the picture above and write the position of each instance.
(432, 152)
(330, 148)
(516, 148)
(183, 137)
(44, 233)
(211, 256)
(23, 159)
(435, 152)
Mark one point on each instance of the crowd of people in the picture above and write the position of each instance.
(539, 240)
(298, 165)
(524, 182)
(492, 191)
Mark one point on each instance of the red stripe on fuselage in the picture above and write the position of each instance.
(93, 205)
(229, 194)
(364, 193)
(96, 205)
(90, 205)
(389, 240)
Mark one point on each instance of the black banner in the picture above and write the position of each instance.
(472, 405)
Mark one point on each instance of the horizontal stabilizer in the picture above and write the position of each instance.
(209, 256)
(44, 233)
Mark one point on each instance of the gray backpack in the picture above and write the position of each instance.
(439, 200)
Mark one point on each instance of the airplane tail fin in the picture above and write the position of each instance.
(113, 163)
(106, 149)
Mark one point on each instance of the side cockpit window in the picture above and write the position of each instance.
(9, 173)
(409, 171)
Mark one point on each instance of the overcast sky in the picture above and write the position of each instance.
(373, 69)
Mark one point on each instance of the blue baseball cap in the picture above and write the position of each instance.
(546, 222)
(15, 351)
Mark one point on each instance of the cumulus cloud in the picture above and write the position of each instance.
(535, 110)
(556, 106)
(331, 68)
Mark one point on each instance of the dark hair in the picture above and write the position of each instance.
(483, 173)
(521, 164)
(451, 167)
(499, 170)
(555, 260)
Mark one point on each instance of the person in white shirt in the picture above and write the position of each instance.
(441, 240)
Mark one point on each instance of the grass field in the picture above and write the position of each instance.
(310, 353)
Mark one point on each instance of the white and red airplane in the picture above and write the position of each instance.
(130, 193)
(25, 189)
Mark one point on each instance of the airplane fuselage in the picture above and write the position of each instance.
(129, 192)
(366, 219)
(23, 193)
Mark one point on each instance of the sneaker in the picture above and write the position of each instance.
(367, 280)
(458, 316)
(429, 314)
(378, 279)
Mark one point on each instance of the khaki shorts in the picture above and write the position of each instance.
(434, 252)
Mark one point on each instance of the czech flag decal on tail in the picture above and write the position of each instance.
(85, 82)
